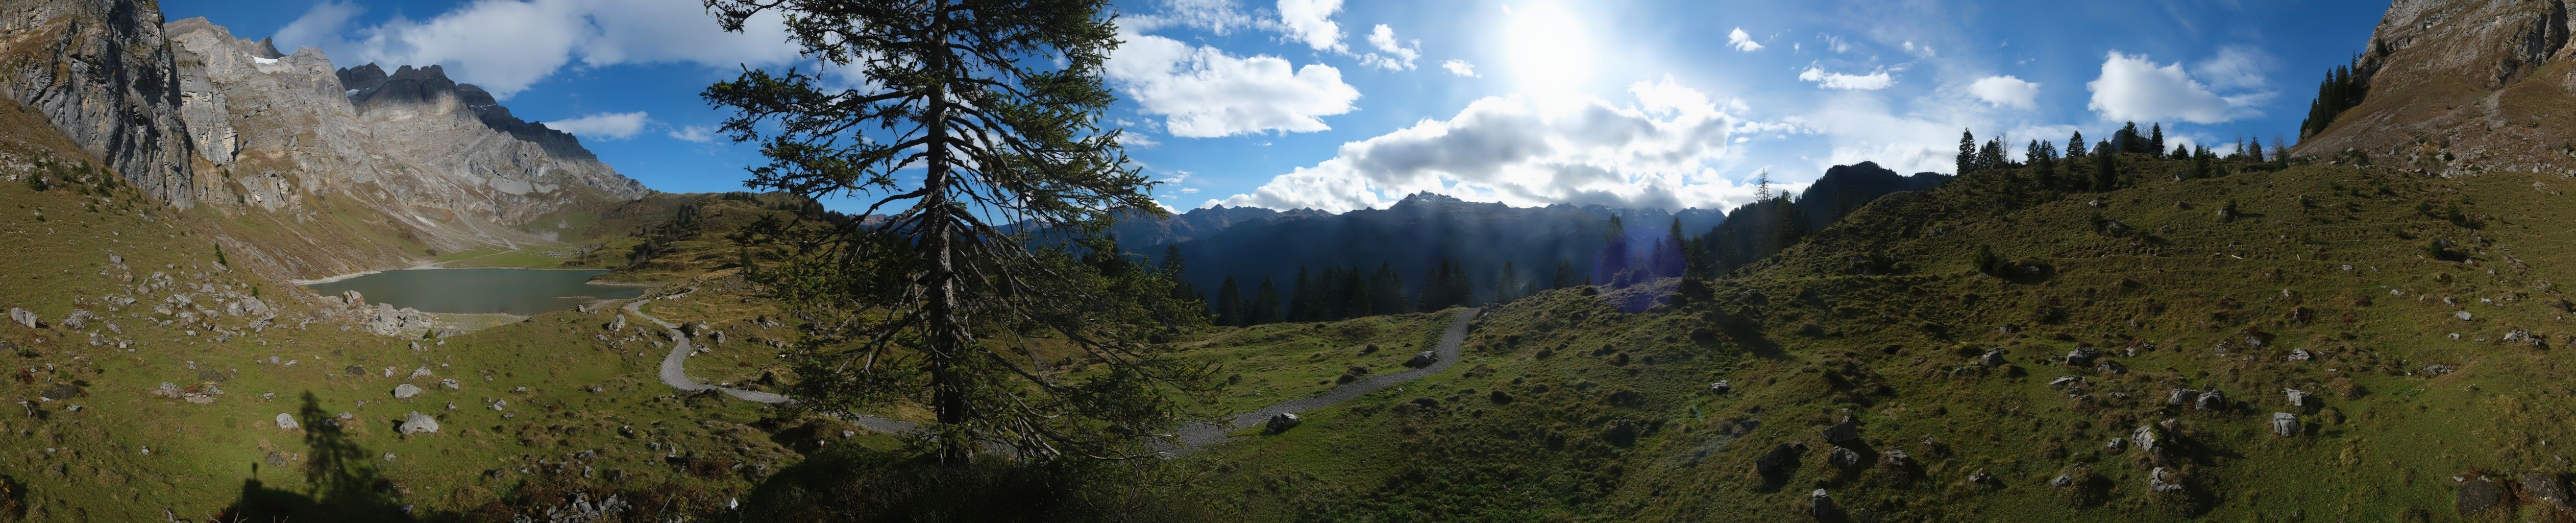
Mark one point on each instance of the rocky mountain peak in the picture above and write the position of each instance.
(2456, 87)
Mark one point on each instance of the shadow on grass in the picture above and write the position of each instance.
(346, 483)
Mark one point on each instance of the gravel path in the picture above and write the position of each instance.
(1197, 435)
(675, 374)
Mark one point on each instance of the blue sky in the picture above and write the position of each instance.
(1341, 105)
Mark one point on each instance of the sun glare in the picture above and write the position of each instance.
(1550, 55)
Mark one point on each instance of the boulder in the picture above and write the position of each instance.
(2546, 488)
(2062, 481)
(287, 422)
(1720, 387)
(2478, 493)
(617, 324)
(1777, 463)
(1992, 358)
(1980, 477)
(2063, 382)
(1843, 458)
(2116, 444)
(1821, 506)
(59, 392)
(2181, 397)
(406, 391)
(1895, 459)
(23, 317)
(497, 405)
(1846, 433)
(2285, 424)
(354, 370)
(2301, 355)
(2081, 357)
(2144, 438)
(2212, 400)
(2299, 398)
(418, 423)
(2110, 367)
(450, 384)
(1281, 422)
(2438, 369)
(2163, 480)
(1425, 359)
(2462, 315)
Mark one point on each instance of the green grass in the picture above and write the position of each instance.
(1272, 363)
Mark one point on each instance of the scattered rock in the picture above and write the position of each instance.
(2144, 438)
(418, 423)
(287, 422)
(2062, 480)
(1993, 358)
(2301, 355)
(1843, 458)
(2181, 397)
(2063, 382)
(2110, 367)
(1720, 387)
(405, 391)
(450, 384)
(2300, 399)
(2438, 369)
(23, 317)
(2462, 315)
(2081, 357)
(354, 370)
(2116, 444)
(497, 405)
(1777, 463)
(1846, 433)
(2212, 400)
(59, 392)
(1821, 505)
(2477, 494)
(2285, 424)
(1980, 477)
(1895, 459)
(2546, 488)
(2163, 480)
(1281, 422)
(1423, 360)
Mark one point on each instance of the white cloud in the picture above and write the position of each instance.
(2006, 91)
(1659, 152)
(1138, 140)
(2235, 67)
(505, 46)
(1311, 22)
(1203, 92)
(2134, 88)
(1865, 82)
(1398, 57)
(693, 133)
(1460, 68)
(1214, 16)
(604, 126)
(1742, 42)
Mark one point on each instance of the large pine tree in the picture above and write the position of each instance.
(967, 111)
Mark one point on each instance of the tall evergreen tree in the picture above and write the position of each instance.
(2156, 139)
(2181, 151)
(1565, 275)
(1991, 156)
(2106, 170)
(1172, 269)
(1265, 304)
(980, 114)
(1967, 152)
(1507, 287)
(1386, 290)
(2128, 140)
(1613, 258)
(2075, 145)
(1229, 304)
(1301, 303)
(2256, 152)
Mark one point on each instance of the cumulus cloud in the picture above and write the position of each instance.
(1862, 128)
(1214, 16)
(2134, 88)
(1864, 82)
(1397, 57)
(604, 126)
(2006, 91)
(1742, 42)
(1203, 92)
(694, 133)
(1660, 151)
(1460, 68)
(1311, 22)
(2235, 67)
(505, 46)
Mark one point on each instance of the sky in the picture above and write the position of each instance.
(1337, 105)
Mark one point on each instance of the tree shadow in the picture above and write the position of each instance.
(346, 483)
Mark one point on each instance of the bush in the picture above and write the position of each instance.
(36, 182)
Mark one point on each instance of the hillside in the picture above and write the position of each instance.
(2320, 279)
(2454, 88)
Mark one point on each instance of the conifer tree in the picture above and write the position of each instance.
(1991, 156)
(1613, 258)
(2181, 152)
(1967, 152)
(1301, 303)
(1386, 290)
(2128, 140)
(2106, 170)
(1565, 275)
(2256, 152)
(1229, 304)
(972, 115)
(2156, 139)
(1507, 287)
(2075, 145)
(1265, 304)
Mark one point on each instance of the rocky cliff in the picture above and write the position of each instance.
(409, 154)
(100, 71)
(2456, 87)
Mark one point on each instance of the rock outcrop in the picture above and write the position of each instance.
(424, 158)
(2459, 87)
(100, 71)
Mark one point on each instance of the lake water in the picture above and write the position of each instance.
(513, 291)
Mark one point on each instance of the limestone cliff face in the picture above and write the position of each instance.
(100, 71)
(2458, 87)
(411, 153)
